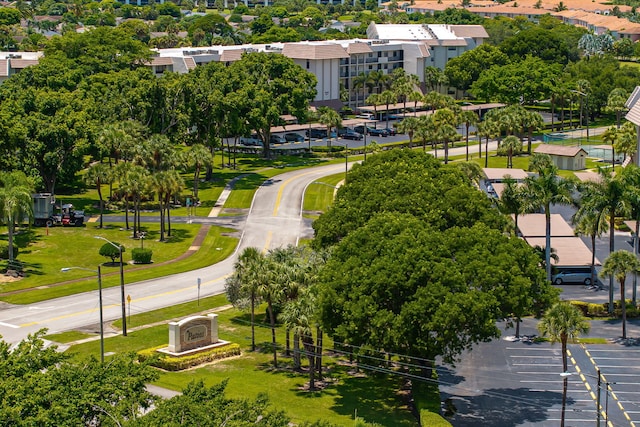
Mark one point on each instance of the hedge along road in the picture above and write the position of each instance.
(274, 220)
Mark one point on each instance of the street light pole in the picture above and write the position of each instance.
(124, 308)
(99, 272)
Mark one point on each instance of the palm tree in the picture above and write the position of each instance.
(512, 200)
(166, 184)
(531, 121)
(472, 170)
(16, 203)
(272, 290)
(627, 140)
(607, 195)
(99, 174)
(249, 272)
(198, 157)
(415, 97)
(134, 183)
(561, 323)
(616, 103)
(469, 118)
(511, 144)
(331, 119)
(408, 126)
(444, 121)
(360, 81)
(610, 136)
(424, 131)
(387, 98)
(542, 191)
(619, 264)
(592, 223)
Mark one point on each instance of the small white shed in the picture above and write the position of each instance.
(570, 158)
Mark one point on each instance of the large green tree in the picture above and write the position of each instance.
(272, 85)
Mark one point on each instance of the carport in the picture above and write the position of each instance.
(571, 251)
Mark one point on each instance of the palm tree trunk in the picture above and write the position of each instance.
(126, 212)
(168, 210)
(11, 229)
(593, 259)
(564, 400)
(623, 307)
(287, 340)
(319, 354)
(467, 141)
(253, 323)
(272, 319)
(296, 351)
(547, 242)
(612, 223)
(160, 201)
(486, 153)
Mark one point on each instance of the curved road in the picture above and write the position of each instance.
(274, 220)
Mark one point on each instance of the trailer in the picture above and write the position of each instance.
(46, 213)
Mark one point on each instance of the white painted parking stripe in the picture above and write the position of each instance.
(9, 325)
(554, 365)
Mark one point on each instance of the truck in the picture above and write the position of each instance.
(46, 213)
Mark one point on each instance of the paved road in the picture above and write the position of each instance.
(274, 220)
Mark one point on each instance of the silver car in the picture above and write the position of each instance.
(574, 276)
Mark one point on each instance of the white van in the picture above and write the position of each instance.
(368, 116)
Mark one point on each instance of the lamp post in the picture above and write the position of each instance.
(64, 270)
(124, 311)
(598, 377)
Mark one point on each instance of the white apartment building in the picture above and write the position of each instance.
(335, 63)
(444, 41)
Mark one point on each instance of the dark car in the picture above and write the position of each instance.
(371, 131)
(293, 137)
(318, 133)
(347, 133)
(390, 131)
(277, 139)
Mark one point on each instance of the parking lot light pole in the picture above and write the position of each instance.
(99, 272)
(124, 308)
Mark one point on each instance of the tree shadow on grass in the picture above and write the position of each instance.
(504, 407)
(375, 398)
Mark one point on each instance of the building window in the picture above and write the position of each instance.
(307, 64)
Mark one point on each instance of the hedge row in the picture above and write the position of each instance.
(426, 398)
(179, 363)
(602, 310)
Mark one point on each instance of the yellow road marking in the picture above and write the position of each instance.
(281, 191)
(93, 310)
(268, 242)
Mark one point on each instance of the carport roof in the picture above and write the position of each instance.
(534, 225)
(499, 173)
(571, 251)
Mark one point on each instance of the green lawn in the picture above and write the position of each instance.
(319, 195)
(41, 254)
(374, 397)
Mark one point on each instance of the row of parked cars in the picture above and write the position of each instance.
(356, 134)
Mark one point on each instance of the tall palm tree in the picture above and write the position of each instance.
(561, 323)
(593, 223)
(408, 126)
(16, 203)
(424, 131)
(444, 121)
(99, 174)
(134, 184)
(331, 119)
(512, 144)
(610, 136)
(512, 200)
(616, 103)
(249, 272)
(542, 191)
(166, 184)
(531, 121)
(360, 82)
(415, 97)
(619, 264)
(469, 118)
(271, 290)
(387, 98)
(607, 195)
(627, 140)
(197, 157)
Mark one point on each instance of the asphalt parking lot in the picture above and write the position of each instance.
(511, 382)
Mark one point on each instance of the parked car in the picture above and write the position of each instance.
(390, 131)
(368, 116)
(251, 140)
(277, 139)
(293, 137)
(347, 133)
(371, 131)
(319, 133)
(574, 276)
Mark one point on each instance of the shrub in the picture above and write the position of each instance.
(4, 250)
(179, 363)
(141, 256)
(110, 251)
(596, 310)
(582, 306)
